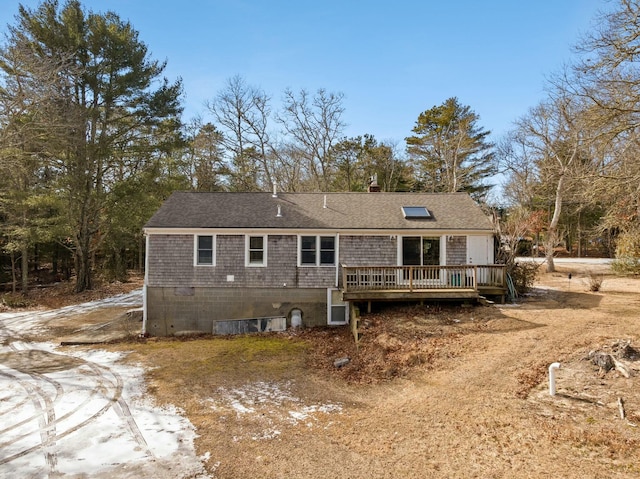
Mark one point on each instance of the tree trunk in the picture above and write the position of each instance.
(25, 268)
(83, 260)
(552, 232)
(83, 271)
(14, 279)
(54, 260)
(141, 255)
(579, 235)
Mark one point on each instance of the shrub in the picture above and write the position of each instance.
(627, 253)
(524, 275)
(626, 265)
(595, 281)
(15, 301)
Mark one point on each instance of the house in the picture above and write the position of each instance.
(271, 260)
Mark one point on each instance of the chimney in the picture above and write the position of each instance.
(373, 184)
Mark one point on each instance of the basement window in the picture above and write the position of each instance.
(415, 212)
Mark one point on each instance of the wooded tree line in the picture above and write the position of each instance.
(92, 141)
(572, 162)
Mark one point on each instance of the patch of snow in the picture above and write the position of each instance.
(86, 417)
(263, 403)
(16, 324)
(268, 434)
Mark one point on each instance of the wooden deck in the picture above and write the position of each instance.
(397, 283)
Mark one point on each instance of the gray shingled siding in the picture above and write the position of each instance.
(171, 259)
(368, 250)
(170, 310)
(230, 260)
(457, 250)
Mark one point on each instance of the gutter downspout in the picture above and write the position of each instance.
(336, 259)
(144, 284)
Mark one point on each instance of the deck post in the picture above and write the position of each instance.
(411, 279)
(475, 277)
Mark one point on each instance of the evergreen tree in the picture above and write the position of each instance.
(450, 151)
(113, 114)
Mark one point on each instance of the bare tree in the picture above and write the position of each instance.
(608, 76)
(315, 125)
(553, 136)
(242, 112)
(519, 168)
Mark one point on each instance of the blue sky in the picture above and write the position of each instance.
(392, 60)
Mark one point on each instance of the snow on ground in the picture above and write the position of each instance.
(263, 403)
(76, 412)
(14, 324)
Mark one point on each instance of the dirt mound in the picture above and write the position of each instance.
(394, 341)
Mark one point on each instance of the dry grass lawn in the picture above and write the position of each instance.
(431, 392)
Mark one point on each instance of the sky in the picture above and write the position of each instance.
(391, 60)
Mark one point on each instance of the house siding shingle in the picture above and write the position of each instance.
(368, 250)
(457, 250)
(171, 259)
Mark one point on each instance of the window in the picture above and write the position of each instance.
(327, 250)
(415, 212)
(256, 251)
(308, 250)
(420, 251)
(205, 250)
(337, 310)
(317, 250)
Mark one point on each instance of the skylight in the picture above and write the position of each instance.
(415, 212)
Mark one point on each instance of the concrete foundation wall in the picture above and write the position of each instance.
(174, 309)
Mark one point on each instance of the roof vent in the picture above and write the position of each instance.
(324, 205)
(275, 193)
(279, 214)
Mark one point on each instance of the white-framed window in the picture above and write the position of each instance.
(204, 250)
(317, 250)
(337, 310)
(255, 250)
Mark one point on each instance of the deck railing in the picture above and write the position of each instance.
(410, 278)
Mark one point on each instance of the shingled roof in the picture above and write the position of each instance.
(306, 211)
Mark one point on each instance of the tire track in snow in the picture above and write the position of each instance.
(108, 383)
(46, 422)
(60, 400)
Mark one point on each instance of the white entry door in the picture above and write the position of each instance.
(478, 250)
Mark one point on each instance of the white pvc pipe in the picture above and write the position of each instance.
(552, 378)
